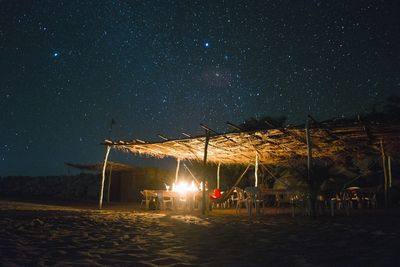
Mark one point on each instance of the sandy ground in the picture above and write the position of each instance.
(64, 235)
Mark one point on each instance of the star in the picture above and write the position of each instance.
(163, 75)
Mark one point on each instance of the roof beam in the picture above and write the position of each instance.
(294, 135)
(227, 138)
(187, 146)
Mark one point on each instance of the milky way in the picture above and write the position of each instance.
(69, 67)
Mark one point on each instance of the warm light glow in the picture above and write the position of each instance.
(183, 187)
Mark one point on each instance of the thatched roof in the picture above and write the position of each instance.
(331, 139)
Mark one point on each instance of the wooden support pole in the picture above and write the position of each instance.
(103, 177)
(218, 170)
(204, 201)
(390, 171)
(309, 171)
(109, 185)
(384, 173)
(178, 163)
(256, 171)
(309, 151)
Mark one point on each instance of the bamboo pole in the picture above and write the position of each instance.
(384, 173)
(103, 177)
(309, 162)
(256, 171)
(390, 171)
(218, 170)
(203, 206)
(109, 185)
(177, 170)
(309, 151)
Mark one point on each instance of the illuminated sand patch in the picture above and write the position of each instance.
(11, 205)
(191, 219)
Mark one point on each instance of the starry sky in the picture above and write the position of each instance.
(70, 67)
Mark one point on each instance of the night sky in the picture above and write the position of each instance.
(69, 67)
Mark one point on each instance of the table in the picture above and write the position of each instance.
(282, 197)
(361, 197)
(177, 200)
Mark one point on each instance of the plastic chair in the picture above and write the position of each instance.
(254, 199)
(241, 199)
(144, 197)
(164, 201)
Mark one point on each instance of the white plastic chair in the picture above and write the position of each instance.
(241, 199)
(164, 201)
(144, 198)
(254, 199)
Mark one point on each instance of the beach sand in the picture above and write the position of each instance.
(34, 234)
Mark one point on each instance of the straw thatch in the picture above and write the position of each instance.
(331, 139)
